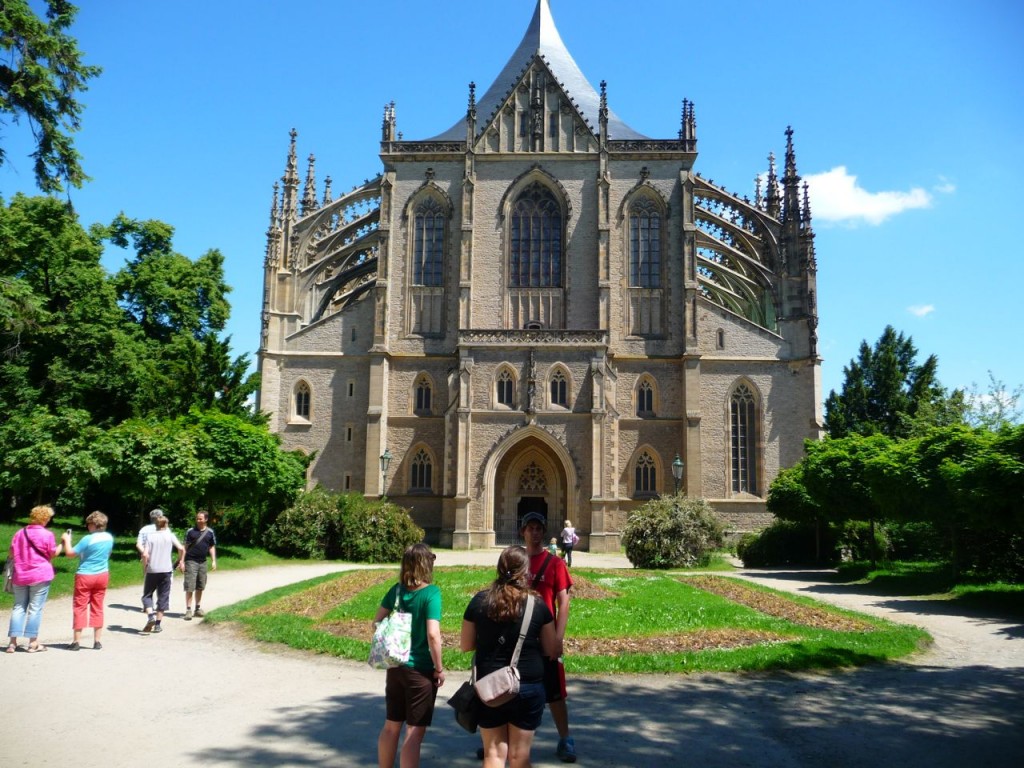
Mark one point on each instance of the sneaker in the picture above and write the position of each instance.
(199, 613)
(149, 626)
(188, 615)
(566, 750)
(157, 628)
(97, 646)
(74, 647)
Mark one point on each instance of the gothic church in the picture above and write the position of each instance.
(542, 309)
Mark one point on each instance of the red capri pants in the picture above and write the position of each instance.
(87, 603)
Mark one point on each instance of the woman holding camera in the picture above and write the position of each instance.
(91, 578)
(490, 626)
(32, 551)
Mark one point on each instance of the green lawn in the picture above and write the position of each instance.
(625, 627)
(125, 568)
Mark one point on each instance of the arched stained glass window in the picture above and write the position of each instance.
(303, 396)
(743, 440)
(422, 469)
(428, 244)
(646, 475)
(506, 389)
(424, 395)
(559, 389)
(645, 398)
(644, 244)
(535, 257)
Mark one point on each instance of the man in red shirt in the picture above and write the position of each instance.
(551, 580)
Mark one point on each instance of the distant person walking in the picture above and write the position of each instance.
(91, 578)
(32, 551)
(159, 568)
(567, 540)
(200, 543)
(140, 541)
(411, 689)
(549, 578)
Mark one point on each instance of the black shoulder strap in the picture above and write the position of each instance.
(536, 579)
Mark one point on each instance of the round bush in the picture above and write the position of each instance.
(305, 528)
(373, 531)
(672, 532)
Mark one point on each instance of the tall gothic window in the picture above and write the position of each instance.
(423, 395)
(536, 239)
(645, 398)
(422, 469)
(506, 389)
(743, 439)
(644, 244)
(428, 244)
(645, 476)
(303, 395)
(559, 389)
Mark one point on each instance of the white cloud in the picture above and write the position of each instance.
(837, 197)
(944, 187)
(921, 310)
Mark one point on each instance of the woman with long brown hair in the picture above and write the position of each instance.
(490, 626)
(411, 689)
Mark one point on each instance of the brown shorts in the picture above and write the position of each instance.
(409, 696)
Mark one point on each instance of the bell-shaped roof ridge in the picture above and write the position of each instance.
(542, 39)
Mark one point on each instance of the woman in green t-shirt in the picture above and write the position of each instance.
(411, 689)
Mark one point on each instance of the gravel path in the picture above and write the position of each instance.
(200, 695)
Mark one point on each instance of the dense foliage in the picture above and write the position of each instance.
(326, 525)
(672, 532)
(41, 74)
(119, 391)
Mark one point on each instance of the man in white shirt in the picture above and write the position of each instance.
(159, 568)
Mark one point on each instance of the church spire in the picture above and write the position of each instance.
(290, 181)
(309, 191)
(791, 184)
(772, 205)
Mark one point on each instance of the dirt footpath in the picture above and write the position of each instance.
(200, 695)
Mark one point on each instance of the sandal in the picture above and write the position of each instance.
(12, 648)
(36, 648)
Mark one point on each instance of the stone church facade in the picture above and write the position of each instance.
(541, 309)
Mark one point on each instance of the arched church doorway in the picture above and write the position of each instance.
(530, 478)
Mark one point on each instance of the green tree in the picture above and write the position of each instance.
(883, 390)
(40, 80)
(997, 407)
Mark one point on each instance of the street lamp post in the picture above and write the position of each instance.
(385, 462)
(677, 471)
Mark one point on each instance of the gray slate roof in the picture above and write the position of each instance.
(542, 38)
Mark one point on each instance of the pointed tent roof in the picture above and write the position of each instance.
(542, 39)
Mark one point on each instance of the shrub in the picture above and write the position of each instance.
(855, 541)
(788, 543)
(373, 531)
(306, 528)
(672, 532)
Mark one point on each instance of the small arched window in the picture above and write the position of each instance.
(302, 400)
(423, 396)
(645, 476)
(645, 398)
(559, 389)
(743, 440)
(506, 389)
(422, 470)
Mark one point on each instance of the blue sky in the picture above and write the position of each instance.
(908, 120)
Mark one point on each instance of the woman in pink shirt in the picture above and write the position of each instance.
(32, 550)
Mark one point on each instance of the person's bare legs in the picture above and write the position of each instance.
(519, 743)
(410, 757)
(560, 717)
(495, 746)
(387, 743)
